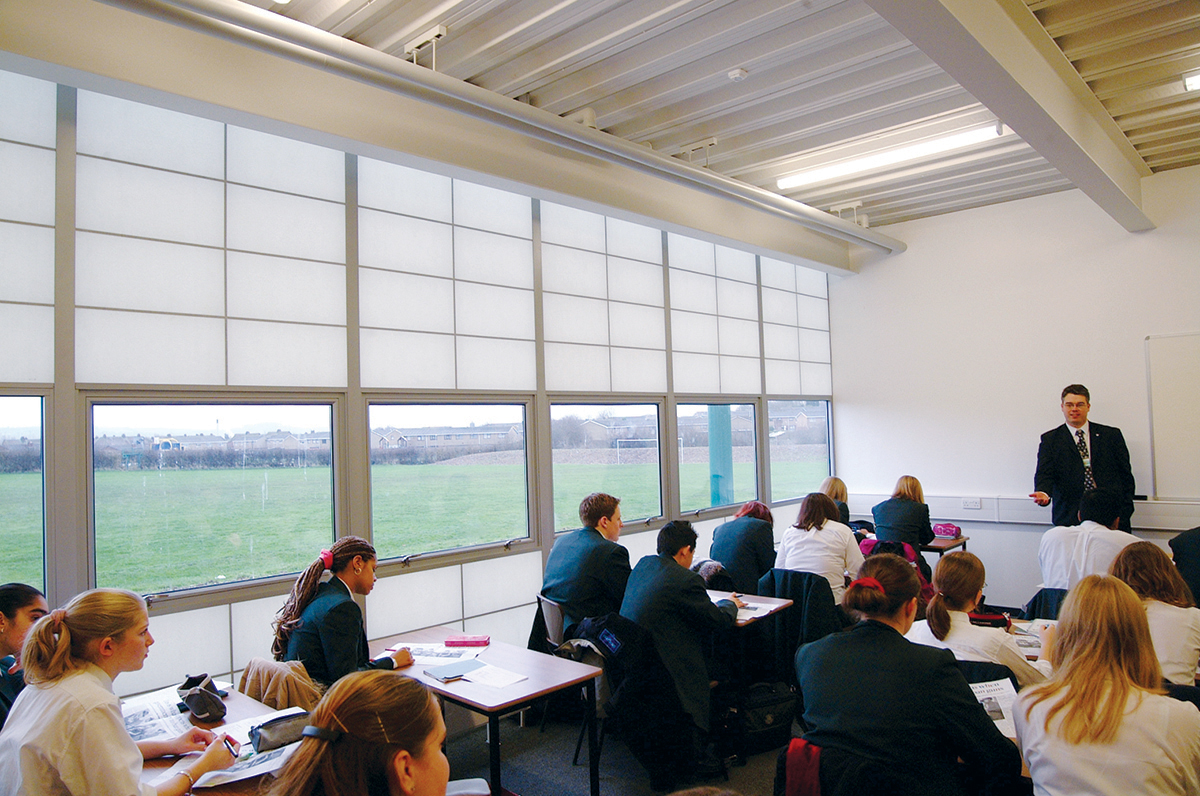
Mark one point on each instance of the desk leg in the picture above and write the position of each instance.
(494, 751)
(593, 738)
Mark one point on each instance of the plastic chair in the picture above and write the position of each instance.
(554, 617)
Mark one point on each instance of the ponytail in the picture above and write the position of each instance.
(335, 559)
(59, 642)
(958, 578)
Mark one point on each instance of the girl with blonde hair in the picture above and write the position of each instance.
(1172, 613)
(373, 733)
(66, 734)
(959, 581)
(1101, 724)
(836, 489)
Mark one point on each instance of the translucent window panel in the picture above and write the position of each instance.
(145, 348)
(640, 283)
(637, 326)
(778, 274)
(130, 131)
(406, 360)
(811, 282)
(571, 227)
(148, 203)
(495, 364)
(28, 109)
(26, 263)
(717, 455)
(175, 636)
(799, 447)
(136, 274)
(403, 301)
(610, 448)
(691, 254)
(814, 345)
(500, 583)
(635, 370)
(492, 259)
(493, 311)
(577, 367)
(734, 264)
(740, 375)
(574, 319)
(574, 271)
(286, 354)
(783, 376)
(27, 190)
(27, 345)
(440, 476)
(399, 243)
(481, 207)
(414, 588)
(780, 342)
(738, 337)
(696, 373)
(198, 495)
(692, 332)
(400, 189)
(736, 299)
(814, 312)
(293, 226)
(816, 379)
(21, 487)
(250, 622)
(634, 241)
(695, 292)
(510, 626)
(279, 289)
(779, 307)
(270, 161)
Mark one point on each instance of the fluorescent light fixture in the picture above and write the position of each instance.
(891, 157)
(1191, 81)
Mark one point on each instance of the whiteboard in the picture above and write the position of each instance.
(1173, 373)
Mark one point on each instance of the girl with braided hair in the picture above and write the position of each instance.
(321, 626)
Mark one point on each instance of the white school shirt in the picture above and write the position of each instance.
(831, 552)
(970, 642)
(68, 737)
(1175, 632)
(1069, 553)
(1156, 751)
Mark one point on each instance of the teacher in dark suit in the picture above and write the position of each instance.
(1078, 456)
(891, 716)
(587, 570)
(321, 626)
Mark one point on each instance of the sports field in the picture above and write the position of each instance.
(158, 530)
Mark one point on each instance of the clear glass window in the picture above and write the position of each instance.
(609, 448)
(437, 486)
(21, 490)
(204, 494)
(799, 447)
(716, 455)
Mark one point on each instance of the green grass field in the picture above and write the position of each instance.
(158, 530)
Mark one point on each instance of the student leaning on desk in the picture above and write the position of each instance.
(65, 735)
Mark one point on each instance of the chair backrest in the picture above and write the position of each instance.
(553, 615)
(1045, 604)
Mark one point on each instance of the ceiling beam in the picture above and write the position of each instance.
(997, 50)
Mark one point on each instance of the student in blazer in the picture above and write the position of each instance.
(587, 570)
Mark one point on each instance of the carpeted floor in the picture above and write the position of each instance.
(534, 763)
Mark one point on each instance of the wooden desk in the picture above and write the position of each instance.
(773, 604)
(942, 545)
(545, 674)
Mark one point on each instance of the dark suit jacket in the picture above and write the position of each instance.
(670, 603)
(902, 520)
(1060, 470)
(10, 687)
(843, 512)
(746, 546)
(868, 694)
(586, 575)
(1185, 549)
(330, 640)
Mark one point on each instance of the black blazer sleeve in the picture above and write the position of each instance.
(343, 642)
(617, 575)
(923, 520)
(973, 733)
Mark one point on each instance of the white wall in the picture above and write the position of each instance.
(950, 357)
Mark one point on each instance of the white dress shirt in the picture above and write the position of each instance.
(831, 551)
(1068, 554)
(1157, 751)
(68, 737)
(970, 642)
(1176, 635)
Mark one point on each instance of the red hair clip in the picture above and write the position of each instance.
(869, 583)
